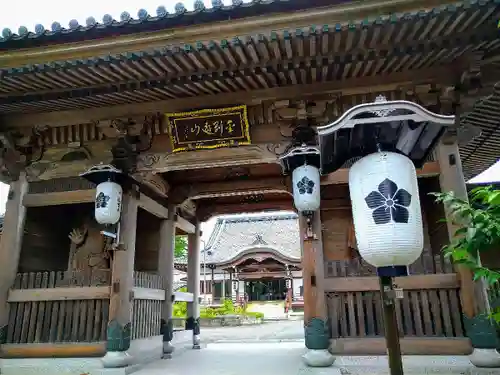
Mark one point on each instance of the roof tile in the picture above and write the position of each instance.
(233, 235)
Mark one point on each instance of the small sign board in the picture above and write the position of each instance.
(209, 128)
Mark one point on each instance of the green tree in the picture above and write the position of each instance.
(479, 222)
(180, 247)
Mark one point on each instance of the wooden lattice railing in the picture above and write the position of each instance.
(148, 302)
(430, 307)
(56, 307)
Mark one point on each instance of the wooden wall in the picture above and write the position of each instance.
(147, 242)
(46, 244)
(339, 244)
(431, 305)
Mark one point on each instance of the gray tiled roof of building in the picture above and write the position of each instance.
(233, 235)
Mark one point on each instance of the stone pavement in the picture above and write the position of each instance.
(269, 331)
(276, 349)
(284, 358)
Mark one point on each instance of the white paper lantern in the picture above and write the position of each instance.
(386, 209)
(288, 283)
(306, 188)
(108, 203)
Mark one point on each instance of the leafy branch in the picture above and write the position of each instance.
(479, 231)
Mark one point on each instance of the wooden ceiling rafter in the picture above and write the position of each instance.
(234, 66)
(348, 87)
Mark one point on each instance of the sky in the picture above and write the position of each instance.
(29, 13)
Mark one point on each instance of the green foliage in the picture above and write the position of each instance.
(479, 222)
(180, 308)
(180, 246)
(256, 314)
(227, 308)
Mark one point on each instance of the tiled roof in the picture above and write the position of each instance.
(233, 235)
(484, 150)
(144, 22)
(439, 16)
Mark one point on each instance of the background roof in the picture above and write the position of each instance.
(232, 235)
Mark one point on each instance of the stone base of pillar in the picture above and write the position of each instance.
(318, 358)
(196, 341)
(486, 358)
(116, 359)
(168, 349)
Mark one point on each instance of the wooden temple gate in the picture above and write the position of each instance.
(129, 101)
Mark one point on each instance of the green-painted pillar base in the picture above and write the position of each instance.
(167, 331)
(317, 337)
(482, 331)
(485, 339)
(117, 344)
(317, 334)
(3, 335)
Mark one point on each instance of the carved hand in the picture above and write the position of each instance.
(77, 236)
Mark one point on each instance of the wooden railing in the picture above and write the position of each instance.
(149, 295)
(430, 307)
(59, 307)
(56, 307)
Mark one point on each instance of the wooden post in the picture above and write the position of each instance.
(475, 305)
(317, 336)
(193, 284)
(122, 284)
(223, 292)
(10, 246)
(166, 271)
(212, 283)
(452, 179)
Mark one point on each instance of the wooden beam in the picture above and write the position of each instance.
(229, 188)
(57, 198)
(161, 160)
(69, 350)
(352, 86)
(183, 297)
(206, 210)
(369, 284)
(343, 13)
(260, 275)
(149, 294)
(153, 207)
(409, 346)
(184, 225)
(341, 176)
(59, 294)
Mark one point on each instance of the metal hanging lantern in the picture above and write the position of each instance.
(386, 210)
(109, 192)
(303, 163)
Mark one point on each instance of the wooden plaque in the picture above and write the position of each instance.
(209, 128)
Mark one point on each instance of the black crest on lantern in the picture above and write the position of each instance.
(101, 200)
(305, 185)
(389, 203)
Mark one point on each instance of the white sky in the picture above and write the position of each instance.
(29, 13)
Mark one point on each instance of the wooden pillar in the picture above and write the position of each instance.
(452, 179)
(122, 284)
(166, 271)
(10, 246)
(315, 311)
(223, 285)
(193, 284)
(212, 283)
